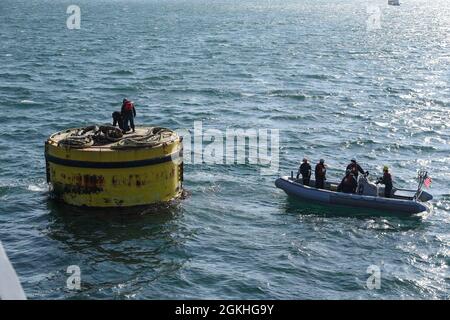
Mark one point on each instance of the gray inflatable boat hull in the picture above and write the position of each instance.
(300, 191)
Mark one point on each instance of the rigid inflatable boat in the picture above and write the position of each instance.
(369, 195)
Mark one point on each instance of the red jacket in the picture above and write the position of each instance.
(127, 107)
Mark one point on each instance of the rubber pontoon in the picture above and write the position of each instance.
(369, 196)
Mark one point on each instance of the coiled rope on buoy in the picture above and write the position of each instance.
(153, 137)
(102, 135)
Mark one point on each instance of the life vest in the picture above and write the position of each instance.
(323, 169)
(128, 106)
(349, 179)
(320, 170)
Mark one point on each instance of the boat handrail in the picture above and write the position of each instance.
(402, 189)
(421, 176)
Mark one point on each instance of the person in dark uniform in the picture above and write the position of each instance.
(320, 174)
(305, 170)
(386, 179)
(355, 168)
(117, 119)
(128, 113)
(348, 183)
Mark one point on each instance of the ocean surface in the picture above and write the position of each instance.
(337, 78)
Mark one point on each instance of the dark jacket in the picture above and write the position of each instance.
(305, 170)
(117, 119)
(355, 168)
(348, 184)
(386, 179)
(320, 171)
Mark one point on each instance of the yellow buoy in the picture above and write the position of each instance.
(100, 167)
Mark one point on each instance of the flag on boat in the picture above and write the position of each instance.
(427, 182)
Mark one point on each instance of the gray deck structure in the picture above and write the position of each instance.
(10, 287)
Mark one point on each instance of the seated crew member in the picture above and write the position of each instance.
(348, 183)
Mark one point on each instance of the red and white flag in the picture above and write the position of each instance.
(427, 182)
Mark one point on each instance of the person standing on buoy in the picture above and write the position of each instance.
(128, 114)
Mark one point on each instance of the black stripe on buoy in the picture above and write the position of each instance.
(112, 165)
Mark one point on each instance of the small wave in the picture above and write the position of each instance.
(159, 78)
(122, 72)
(429, 103)
(204, 91)
(16, 90)
(359, 142)
(37, 187)
(15, 76)
(382, 124)
(391, 90)
(316, 76)
(380, 225)
(243, 75)
(417, 147)
(443, 203)
(293, 117)
(218, 41)
(124, 88)
(292, 94)
(27, 102)
(287, 94)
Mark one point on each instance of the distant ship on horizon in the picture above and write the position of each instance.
(394, 2)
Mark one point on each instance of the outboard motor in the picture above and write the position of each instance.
(365, 187)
